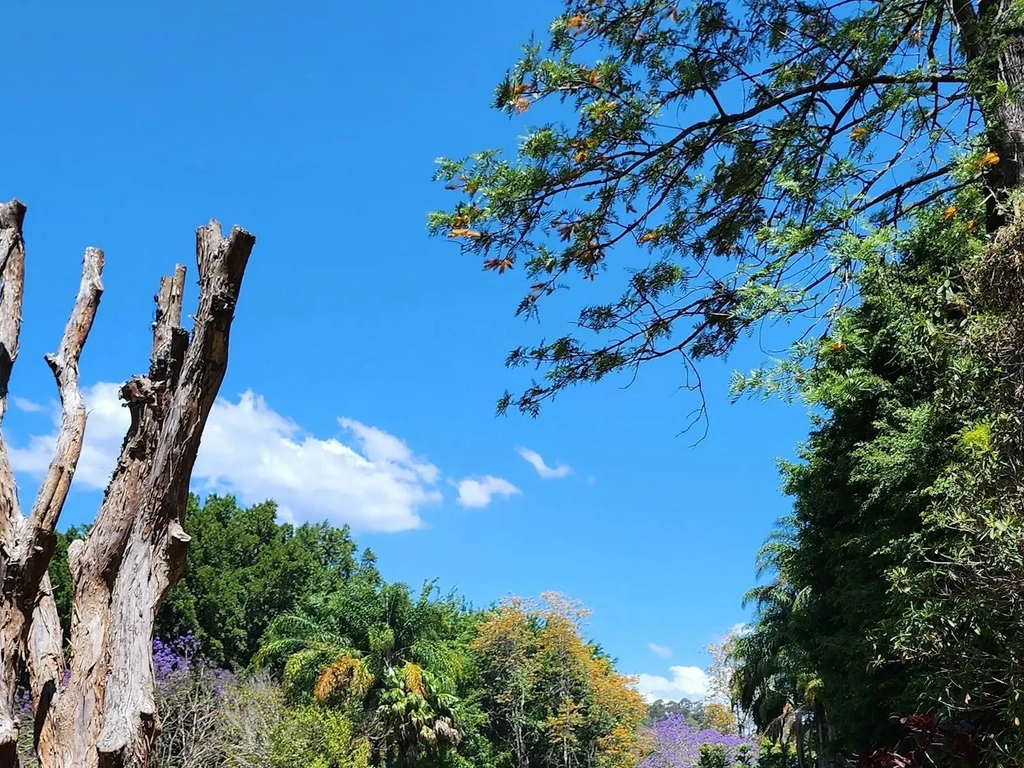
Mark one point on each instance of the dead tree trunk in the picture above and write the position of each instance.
(103, 713)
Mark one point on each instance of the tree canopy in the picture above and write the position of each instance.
(279, 647)
(244, 569)
(727, 157)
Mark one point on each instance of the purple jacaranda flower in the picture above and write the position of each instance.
(677, 744)
(179, 660)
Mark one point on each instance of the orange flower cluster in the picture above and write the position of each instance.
(346, 678)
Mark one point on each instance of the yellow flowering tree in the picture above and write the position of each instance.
(552, 698)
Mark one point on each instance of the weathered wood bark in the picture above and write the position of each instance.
(26, 544)
(101, 711)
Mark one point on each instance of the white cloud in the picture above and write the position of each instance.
(104, 432)
(373, 480)
(379, 446)
(739, 629)
(476, 493)
(660, 650)
(26, 405)
(537, 462)
(685, 683)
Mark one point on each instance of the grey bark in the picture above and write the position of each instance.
(105, 715)
(993, 44)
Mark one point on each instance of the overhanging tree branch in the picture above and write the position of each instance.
(732, 144)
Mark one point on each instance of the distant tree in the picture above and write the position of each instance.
(727, 157)
(691, 711)
(244, 569)
(553, 699)
(718, 717)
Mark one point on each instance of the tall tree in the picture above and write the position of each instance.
(773, 680)
(553, 699)
(897, 578)
(245, 568)
(104, 712)
(393, 661)
(721, 152)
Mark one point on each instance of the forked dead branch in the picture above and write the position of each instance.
(100, 709)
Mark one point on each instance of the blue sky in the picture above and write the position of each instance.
(366, 358)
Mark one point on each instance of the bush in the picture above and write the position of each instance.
(317, 737)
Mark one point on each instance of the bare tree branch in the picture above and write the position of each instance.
(26, 545)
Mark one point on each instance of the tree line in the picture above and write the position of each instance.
(293, 630)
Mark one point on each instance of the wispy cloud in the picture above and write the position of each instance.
(475, 493)
(365, 477)
(537, 462)
(660, 650)
(684, 683)
(739, 630)
(26, 405)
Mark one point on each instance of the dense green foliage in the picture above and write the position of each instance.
(279, 648)
(244, 568)
(427, 681)
(395, 664)
(895, 582)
